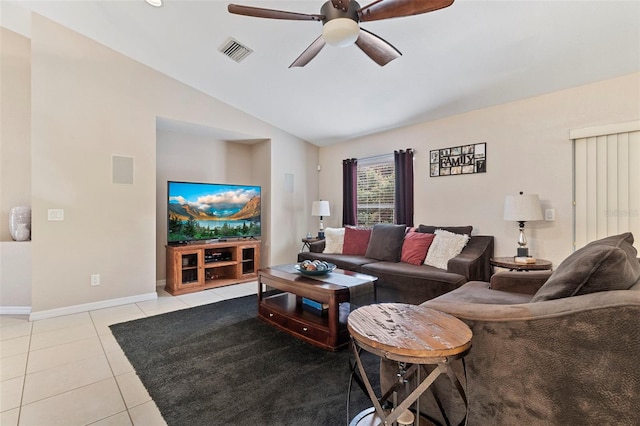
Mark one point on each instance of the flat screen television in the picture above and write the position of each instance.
(211, 211)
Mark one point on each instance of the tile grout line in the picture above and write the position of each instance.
(24, 376)
(104, 351)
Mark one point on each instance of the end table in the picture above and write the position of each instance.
(510, 264)
(306, 243)
(413, 336)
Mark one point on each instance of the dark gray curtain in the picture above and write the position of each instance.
(349, 192)
(404, 186)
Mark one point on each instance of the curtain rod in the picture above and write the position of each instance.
(373, 157)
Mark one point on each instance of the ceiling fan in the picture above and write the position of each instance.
(341, 18)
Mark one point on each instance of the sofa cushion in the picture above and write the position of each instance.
(356, 240)
(386, 242)
(477, 292)
(428, 229)
(446, 245)
(334, 240)
(415, 247)
(606, 264)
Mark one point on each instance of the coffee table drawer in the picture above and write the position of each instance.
(310, 332)
(273, 315)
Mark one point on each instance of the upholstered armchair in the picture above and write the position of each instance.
(557, 348)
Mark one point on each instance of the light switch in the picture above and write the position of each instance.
(55, 215)
(549, 214)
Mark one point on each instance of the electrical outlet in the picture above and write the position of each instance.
(549, 214)
(55, 215)
(95, 280)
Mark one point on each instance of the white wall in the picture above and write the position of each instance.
(15, 131)
(291, 210)
(15, 277)
(528, 149)
(15, 168)
(89, 103)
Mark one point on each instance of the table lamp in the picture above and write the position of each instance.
(522, 208)
(320, 208)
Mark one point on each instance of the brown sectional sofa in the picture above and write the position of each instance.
(548, 348)
(407, 283)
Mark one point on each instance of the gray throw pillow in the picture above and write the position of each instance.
(602, 265)
(454, 229)
(386, 242)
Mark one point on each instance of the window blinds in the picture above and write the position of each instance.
(376, 190)
(606, 182)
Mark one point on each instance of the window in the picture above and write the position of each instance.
(376, 190)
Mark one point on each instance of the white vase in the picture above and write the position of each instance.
(20, 223)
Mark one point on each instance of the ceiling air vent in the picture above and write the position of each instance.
(233, 49)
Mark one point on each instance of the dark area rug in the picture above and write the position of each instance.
(219, 364)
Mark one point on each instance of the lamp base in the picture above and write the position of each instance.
(523, 252)
(321, 235)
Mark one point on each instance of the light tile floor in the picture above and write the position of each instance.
(70, 370)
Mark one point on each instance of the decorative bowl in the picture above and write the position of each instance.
(305, 272)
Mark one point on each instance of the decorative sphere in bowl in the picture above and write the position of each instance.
(315, 267)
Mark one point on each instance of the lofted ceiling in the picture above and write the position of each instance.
(473, 54)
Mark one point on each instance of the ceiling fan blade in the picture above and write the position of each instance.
(259, 12)
(381, 51)
(384, 9)
(309, 53)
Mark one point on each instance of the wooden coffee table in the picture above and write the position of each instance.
(284, 309)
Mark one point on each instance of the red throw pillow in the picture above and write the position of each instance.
(415, 247)
(356, 240)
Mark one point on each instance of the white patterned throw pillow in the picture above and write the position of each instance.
(446, 245)
(333, 240)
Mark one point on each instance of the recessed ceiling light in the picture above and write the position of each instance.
(155, 3)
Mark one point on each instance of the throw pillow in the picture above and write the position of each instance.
(607, 264)
(455, 229)
(446, 245)
(356, 240)
(386, 242)
(334, 240)
(415, 247)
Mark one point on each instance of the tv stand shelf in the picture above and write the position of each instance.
(200, 266)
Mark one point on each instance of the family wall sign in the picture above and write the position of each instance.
(459, 160)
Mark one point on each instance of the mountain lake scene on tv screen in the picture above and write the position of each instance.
(201, 212)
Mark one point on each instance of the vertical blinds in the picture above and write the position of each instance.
(606, 184)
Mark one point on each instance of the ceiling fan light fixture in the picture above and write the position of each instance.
(340, 32)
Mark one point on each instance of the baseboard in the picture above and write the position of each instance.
(85, 307)
(15, 310)
(161, 283)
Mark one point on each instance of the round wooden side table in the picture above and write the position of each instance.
(512, 265)
(413, 336)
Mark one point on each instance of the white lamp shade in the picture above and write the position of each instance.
(320, 208)
(522, 208)
(340, 32)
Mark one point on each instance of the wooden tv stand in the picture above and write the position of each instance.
(200, 266)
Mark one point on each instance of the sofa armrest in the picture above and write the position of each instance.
(528, 282)
(473, 261)
(317, 247)
(475, 301)
(527, 357)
